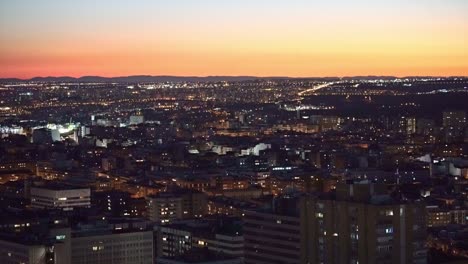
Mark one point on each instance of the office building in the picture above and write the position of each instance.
(60, 197)
(14, 251)
(104, 242)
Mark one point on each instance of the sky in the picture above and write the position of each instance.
(296, 38)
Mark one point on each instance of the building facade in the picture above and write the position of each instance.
(60, 197)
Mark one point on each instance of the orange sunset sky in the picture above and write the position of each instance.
(296, 38)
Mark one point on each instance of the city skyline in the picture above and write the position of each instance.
(255, 38)
(233, 132)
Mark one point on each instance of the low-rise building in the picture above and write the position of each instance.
(60, 197)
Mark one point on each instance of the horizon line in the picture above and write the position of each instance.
(238, 76)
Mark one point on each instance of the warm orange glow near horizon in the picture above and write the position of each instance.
(199, 40)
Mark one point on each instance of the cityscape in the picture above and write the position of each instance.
(143, 159)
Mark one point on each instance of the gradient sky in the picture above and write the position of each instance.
(238, 37)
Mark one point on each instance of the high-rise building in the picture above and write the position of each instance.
(363, 224)
(425, 127)
(176, 204)
(455, 119)
(360, 224)
(272, 238)
(454, 123)
(410, 125)
(407, 125)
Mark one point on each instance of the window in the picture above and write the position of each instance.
(60, 237)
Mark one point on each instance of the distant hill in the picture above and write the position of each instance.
(168, 78)
(152, 79)
(135, 78)
(369, 78)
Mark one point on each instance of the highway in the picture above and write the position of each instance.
(316, 88)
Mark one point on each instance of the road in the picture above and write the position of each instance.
(316, 88)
